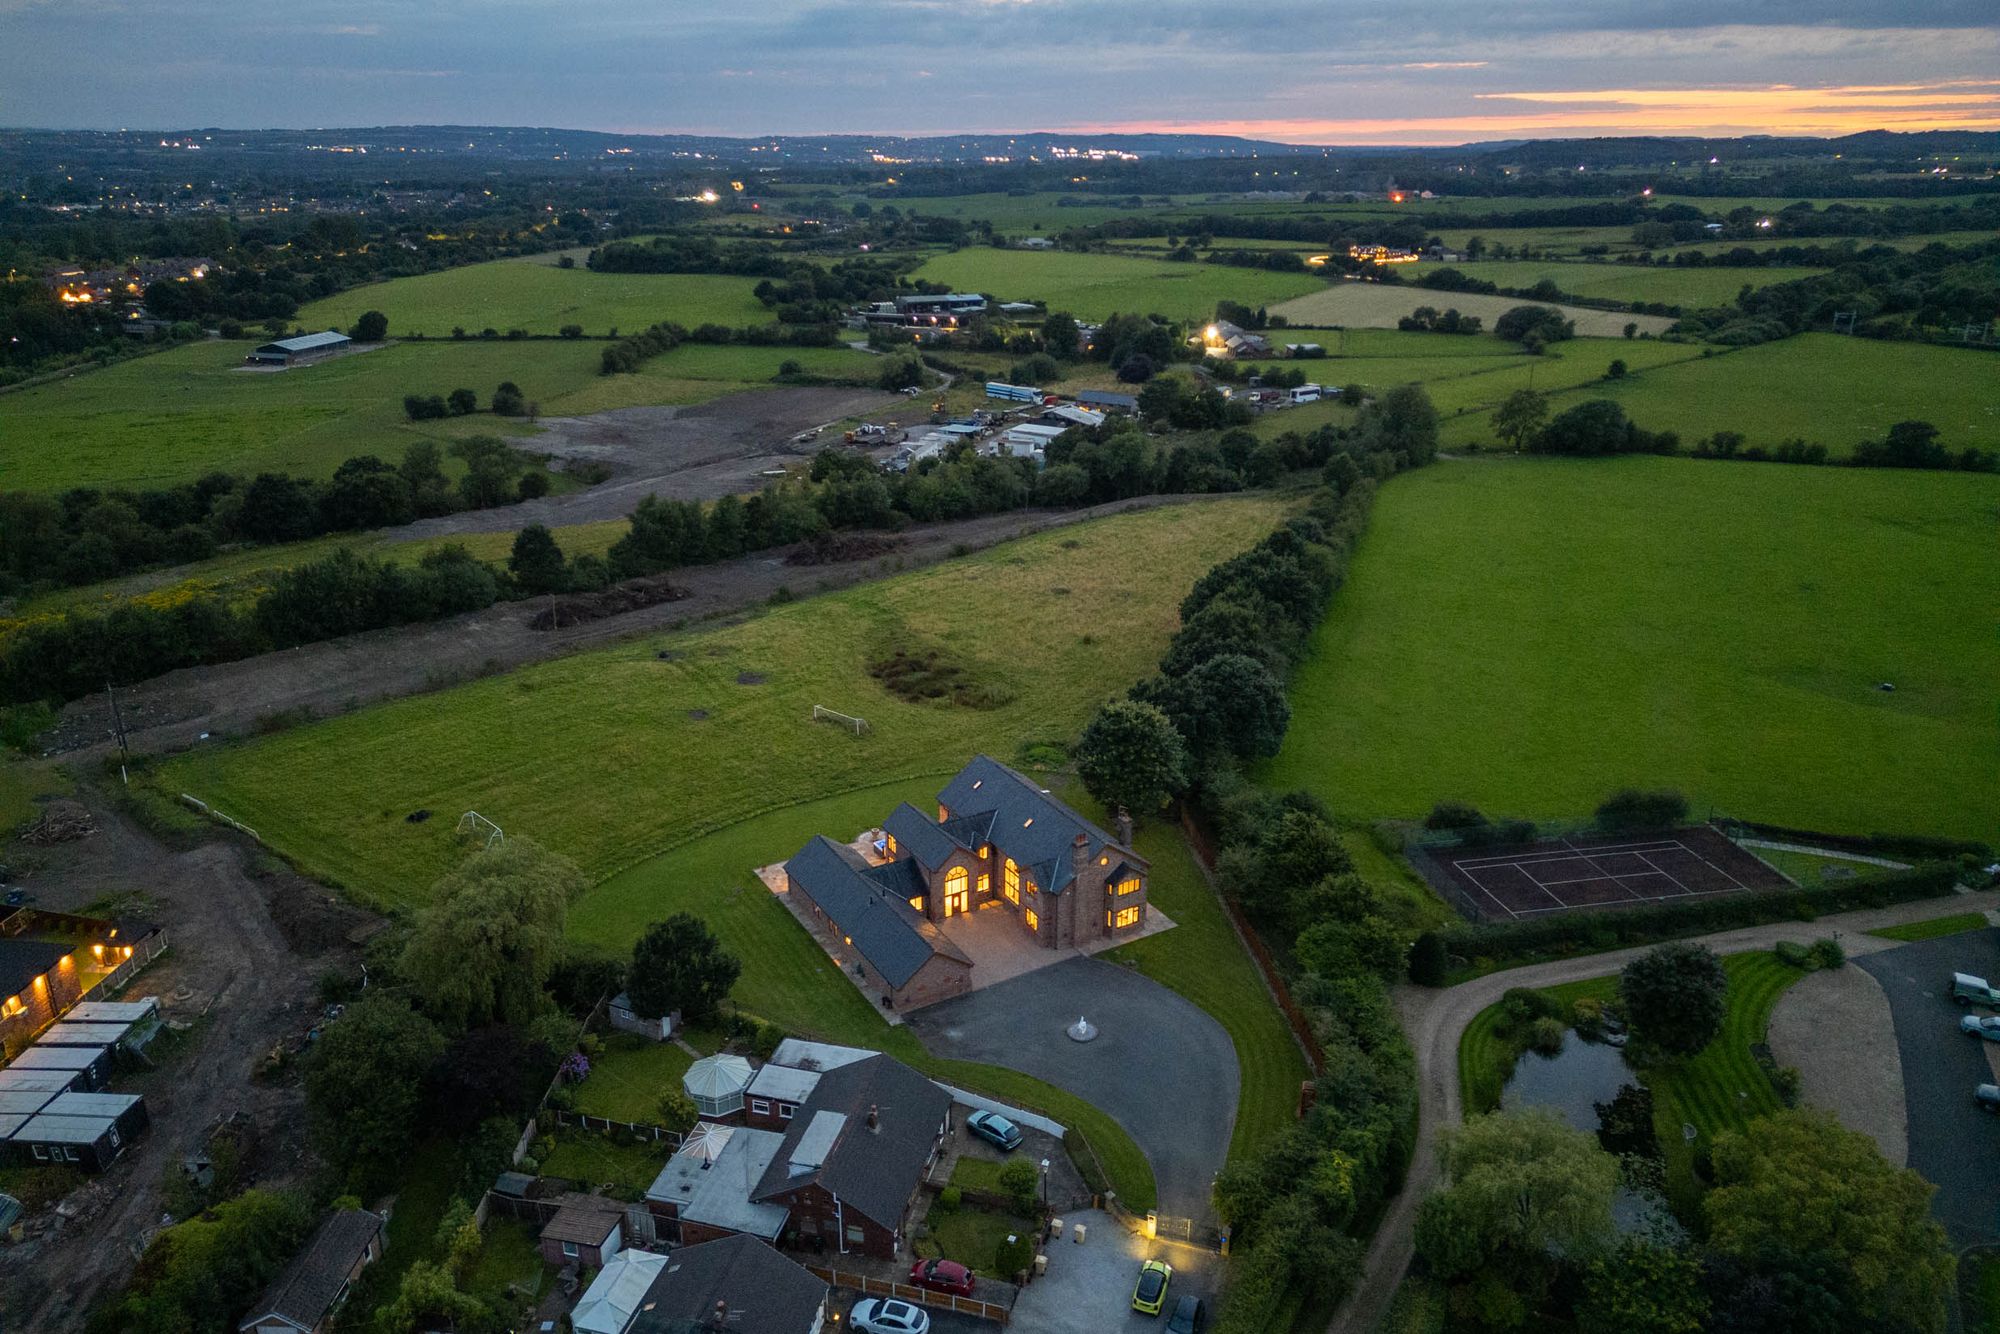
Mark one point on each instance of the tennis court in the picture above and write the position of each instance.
(1566, 874)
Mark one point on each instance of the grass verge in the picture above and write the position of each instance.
(1933, 927)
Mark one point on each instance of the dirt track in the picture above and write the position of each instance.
(233, 971)
(172, 712)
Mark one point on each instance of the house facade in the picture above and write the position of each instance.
(999, 841)
(38, 982)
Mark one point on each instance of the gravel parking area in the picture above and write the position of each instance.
(1088, 1289)
(1830, 1025)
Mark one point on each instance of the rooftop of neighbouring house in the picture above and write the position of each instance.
(752, 1288)
(314, 1278)
(864, 1135)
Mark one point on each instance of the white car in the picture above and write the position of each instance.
(878, 1315)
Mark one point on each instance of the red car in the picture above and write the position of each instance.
(942, 1276)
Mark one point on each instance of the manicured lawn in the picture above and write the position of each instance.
(1720, 1088)
(976, 1174)
(593, 1159)
(972, 1237)
(1094, 286)
(1811, 868)
(628, 1077)
(507, 1258)
(600, 756)
(1933, 928)
(1529, 635)
(1202, 959)
(522, 294)
(1824, 388)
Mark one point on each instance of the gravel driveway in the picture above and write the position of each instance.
(1830, 1025)
(1952, 1143)
(1160, 1066)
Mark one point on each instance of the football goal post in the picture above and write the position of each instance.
(479, 827)
(847, 721)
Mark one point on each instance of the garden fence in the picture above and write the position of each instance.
(879, 1287)
(585, 1121)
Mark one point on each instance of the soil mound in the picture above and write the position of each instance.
(632, 595)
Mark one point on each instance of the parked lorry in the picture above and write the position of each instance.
(1969, 990)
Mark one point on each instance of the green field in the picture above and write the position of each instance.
(1953, 925)
(1094, 286)
(1720, 1088)
(1825, 388)
(1530, 634)
(1362, 305)
(508, 294)
(171, 417)
(1049, 625)
(1691, 288)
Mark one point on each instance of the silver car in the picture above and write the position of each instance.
(880, 1315)
(1981, 1026)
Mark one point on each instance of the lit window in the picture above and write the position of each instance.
(1034, 922)
(917, 903)
(1129, 886)
(985, 883)
(890, 840)
(1010, 880)
(1123, 917)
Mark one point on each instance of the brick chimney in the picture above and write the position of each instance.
(1122, 827)
(874, 1117)
(721, 1312)
(1079, 856)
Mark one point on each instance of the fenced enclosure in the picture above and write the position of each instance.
(844, 721)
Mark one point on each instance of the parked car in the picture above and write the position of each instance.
(1969, 990)
(995, 1129)
(880, 1315)
(1188, 1318)
(1980, 1025)
(942, 1276)
(1149, 1295)
(1986, 1097)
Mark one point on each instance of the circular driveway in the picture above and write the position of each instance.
(1160, 1066)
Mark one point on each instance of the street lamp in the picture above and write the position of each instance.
(1045, 1185)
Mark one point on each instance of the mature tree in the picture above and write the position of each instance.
(485, 947)
(364, 1087)
(537, 561)
(1630, 811)
(1060, 334)
(428, 1298)
(372, 327)
(1596, 427)
(1229, 704)
(430, 489)
(901, 373)
(509, 401)
(277, 508)
(1162, 397)
(1675, 996)
(1130, 756)
(1430, 960)
(1403, 420)
(365, 493)
(680, 965)
(461, 402)
(1520, 415)
(1799, 1191)
(201, 1274)
(1526, 1192)
(1643, 1288)
(491, 1071)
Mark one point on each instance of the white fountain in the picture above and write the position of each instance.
(1082, 1030)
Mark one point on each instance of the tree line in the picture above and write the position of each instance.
(1298, 1209)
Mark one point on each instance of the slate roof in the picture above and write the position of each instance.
(765, 1293)
(309, 1284)
(917, 835)
(1027, 824)
(22, 961)
(891, 935)
(874, 1170)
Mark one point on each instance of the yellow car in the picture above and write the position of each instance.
(1150, 1296)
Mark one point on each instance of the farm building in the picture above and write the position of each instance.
(947, 303)
(298, 351)
(587, 1231)
(1106, 401)
(734, 1283)
(313, 1285)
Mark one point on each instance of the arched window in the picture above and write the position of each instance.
(1010, 881)
(956, 899)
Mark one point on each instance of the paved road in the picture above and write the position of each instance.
(1952, 1142)
(1160, 1066)
(1434, 1021)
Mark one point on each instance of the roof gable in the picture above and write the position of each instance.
(881, 925)
(872, 1168)
(22, 961)
(311, 1282)
(920, 836)
(762, 1291)
(1026, 823)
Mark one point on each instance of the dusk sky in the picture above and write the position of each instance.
(1416, 71)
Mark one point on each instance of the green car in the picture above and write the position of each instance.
(1150, 1296)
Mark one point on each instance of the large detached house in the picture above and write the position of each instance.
(999, 841)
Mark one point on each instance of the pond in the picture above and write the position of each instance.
(1571, 1082)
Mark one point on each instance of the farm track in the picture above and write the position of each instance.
(179, 709)
(1436, 1020)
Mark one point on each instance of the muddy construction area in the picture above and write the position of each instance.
(248, 939)
(700, 452)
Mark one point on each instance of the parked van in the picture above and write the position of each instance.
(1305, 393)
(1969, 990)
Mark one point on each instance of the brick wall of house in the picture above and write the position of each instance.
(817, 1220)
(38, 1006)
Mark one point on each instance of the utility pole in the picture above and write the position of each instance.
(118, 730)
